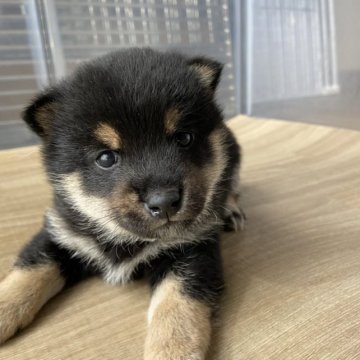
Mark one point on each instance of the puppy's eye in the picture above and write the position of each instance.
(184, 139)
(106, 159)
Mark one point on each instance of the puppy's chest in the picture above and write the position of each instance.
(122, 252)
(120, 263)
(117, 263)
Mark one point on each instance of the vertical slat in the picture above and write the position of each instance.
(249, 54)
(332, 32)
(37, 46)
(55, 43)
(325, 43)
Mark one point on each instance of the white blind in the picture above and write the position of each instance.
(89, 28)
(43, 40)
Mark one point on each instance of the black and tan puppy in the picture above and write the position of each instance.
(145, 176)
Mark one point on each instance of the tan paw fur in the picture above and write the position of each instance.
(179, 327)
(22, 293)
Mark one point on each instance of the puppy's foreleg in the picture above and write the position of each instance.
(40, 272)
(185, 297)
(23, 292)
(179, 326)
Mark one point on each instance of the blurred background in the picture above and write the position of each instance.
(297, 60)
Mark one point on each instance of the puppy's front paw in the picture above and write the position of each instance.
(13, 317)
(179, 326)
(234, 220)
(17, 304)
(22, 293)
(168, 354)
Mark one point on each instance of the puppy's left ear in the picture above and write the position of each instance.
(41, 112)
(208, 71)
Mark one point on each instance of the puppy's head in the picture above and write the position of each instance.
(133, 140)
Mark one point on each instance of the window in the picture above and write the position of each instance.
(43, 40)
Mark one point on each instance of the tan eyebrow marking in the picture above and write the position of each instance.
(109, 136)
(171, 119)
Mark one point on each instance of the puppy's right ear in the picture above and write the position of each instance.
(40, 113)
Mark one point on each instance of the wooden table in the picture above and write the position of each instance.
(293, 276)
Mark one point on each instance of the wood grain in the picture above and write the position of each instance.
(293, 275)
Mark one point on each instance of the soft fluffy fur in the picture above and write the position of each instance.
(135, 103)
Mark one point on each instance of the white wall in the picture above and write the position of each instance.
(347, 23)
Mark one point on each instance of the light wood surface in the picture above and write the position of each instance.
(293, 275)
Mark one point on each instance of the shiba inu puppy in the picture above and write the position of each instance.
(144, 175)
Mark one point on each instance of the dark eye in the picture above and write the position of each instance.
(107, 159)
(184, 139)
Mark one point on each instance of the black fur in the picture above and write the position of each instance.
(41, 250)
(131, 91)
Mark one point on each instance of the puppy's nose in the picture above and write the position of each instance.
(163, 203)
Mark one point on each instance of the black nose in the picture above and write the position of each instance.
(163, 203)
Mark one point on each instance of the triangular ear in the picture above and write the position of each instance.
(39, 114)
(207, 70)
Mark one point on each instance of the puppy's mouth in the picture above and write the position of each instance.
(168, 222)
(156, 228)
